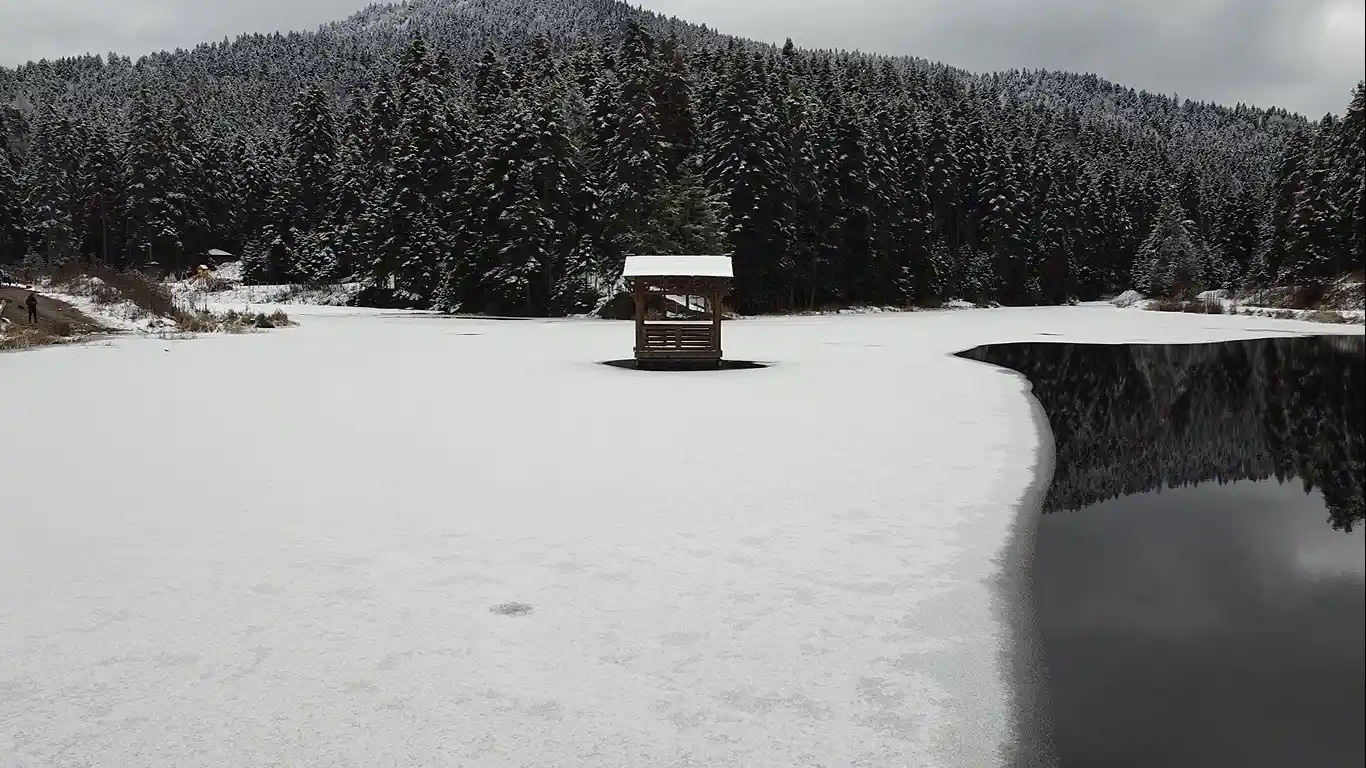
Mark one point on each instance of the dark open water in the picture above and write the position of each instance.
(1200, 570)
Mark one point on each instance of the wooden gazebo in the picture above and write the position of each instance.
(690, 287)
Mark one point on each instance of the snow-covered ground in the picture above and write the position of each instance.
(1134, 300)
(284, 549)
(115, 315)
(254, 297)
(260, 298)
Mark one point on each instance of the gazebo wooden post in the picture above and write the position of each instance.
(715, 298)
(638, 294)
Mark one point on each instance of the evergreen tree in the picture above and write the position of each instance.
(13, 241)
(188, 190)
(741, 163)
(1171, 259)
(405, 236)
(674, 102)
(313, 153)
(51, 192)
(252, 188)
(637, 172)
(1313, 253)
(492, 86)
(151, 217)
(1348, 178)
(102, 199)
(1289, 182)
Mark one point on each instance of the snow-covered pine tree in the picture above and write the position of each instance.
(188, 189)
(1000, 228)
(741, 162)
(941, 173)
(381, 134)
(1220, 270)
(567, 196)
(51, 191)
(492, 85)
(856, 225)
(1238, 228)
(278, 255)
(315, 256)
(1286, 189)
(410, 245)
(673, 96)
(151, 219)
(313, 155)
(1114, 254)
(636, 172)
(1348, 177)
(910, 220)
(1171, 260)
(527, 248)
(13, 240)
(1313, 254)
(691, 219)
(806, 179)
(252, 188)
(102, 196)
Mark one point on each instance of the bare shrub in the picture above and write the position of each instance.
(1305, 297)
(1327, 316)
(198, 322)
(1195, 307)
(280, 319)
(216, 284)
(14, 337)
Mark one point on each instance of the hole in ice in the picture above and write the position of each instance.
(511, 609)
(685, 365)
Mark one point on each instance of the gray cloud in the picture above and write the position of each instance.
(34, 29)
(1304, 55)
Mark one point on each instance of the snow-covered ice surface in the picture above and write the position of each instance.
(287, 548)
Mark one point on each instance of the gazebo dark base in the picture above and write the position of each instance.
(677, 364)
(686, 365)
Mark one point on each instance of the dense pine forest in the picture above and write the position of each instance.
(504, 157)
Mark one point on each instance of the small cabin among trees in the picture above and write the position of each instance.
(685, 328)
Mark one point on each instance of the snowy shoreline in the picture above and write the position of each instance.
(823, 568)
(1022, 658)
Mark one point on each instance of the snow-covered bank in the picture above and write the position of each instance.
(1345, 306)
(98, 301)
(292, 555)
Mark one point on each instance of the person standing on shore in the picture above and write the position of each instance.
(32, 303)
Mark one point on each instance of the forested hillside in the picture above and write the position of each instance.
(502, 156)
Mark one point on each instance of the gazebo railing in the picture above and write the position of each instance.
(679, 339)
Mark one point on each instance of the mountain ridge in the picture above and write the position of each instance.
(836, 177)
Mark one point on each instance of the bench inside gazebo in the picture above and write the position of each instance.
(673, 341)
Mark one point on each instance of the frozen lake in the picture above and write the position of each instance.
(404, 540)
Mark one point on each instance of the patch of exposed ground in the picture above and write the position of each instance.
(58, 321)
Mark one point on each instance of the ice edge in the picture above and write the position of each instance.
(1012, 593)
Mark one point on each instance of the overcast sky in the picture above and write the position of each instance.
(1304, 55)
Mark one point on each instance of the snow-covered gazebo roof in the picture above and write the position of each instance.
(217, 253)
(678, 266)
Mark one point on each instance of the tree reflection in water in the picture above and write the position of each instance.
(1130, 419)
